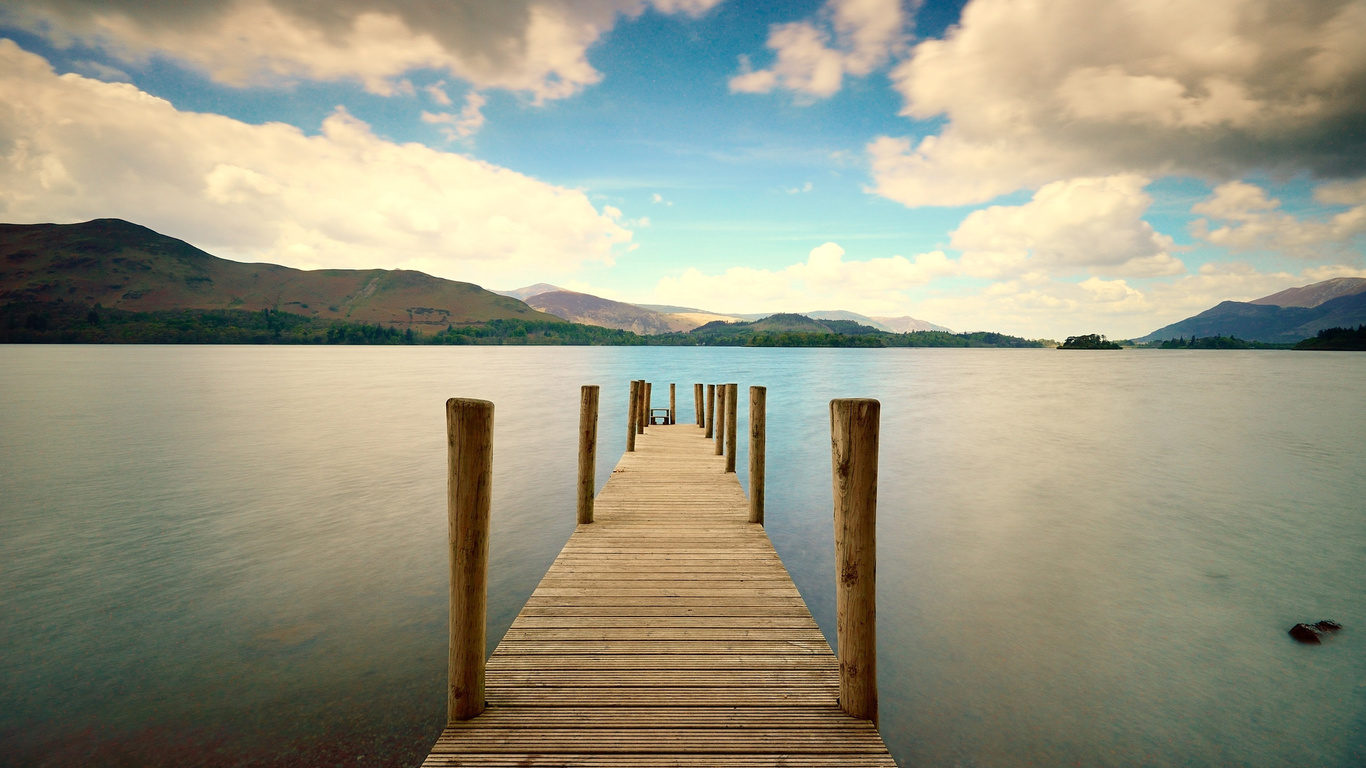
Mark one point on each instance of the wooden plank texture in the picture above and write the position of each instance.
(666, 633)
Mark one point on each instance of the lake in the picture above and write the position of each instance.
(236, 555)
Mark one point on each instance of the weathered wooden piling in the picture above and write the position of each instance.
(649, 402)
(732, 395)
(673, 404)
(632, 416)
(588, 450)
(853, 461)
(711, 411)
(757, 449)
(642, 414)
(697, 404)
(469, 436)
(720, 419)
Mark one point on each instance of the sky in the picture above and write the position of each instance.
(1043, 168)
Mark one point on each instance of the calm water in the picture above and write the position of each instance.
(235, 555)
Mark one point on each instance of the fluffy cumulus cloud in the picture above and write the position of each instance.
(811, 59)
(537, 46)
(1079, 225)
(824, 280)
(1037, 91)
(1249, 220)
(73, 148)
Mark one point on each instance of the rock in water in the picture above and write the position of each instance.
(1314, 633)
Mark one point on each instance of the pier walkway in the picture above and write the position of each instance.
(666, 633)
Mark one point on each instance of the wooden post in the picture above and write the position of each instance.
(633, 415)
(697, 404)
(853, 462)
(673, 403)
(731, 397)
(711, 410)
(469, 458)
(588, 450)
(757, 429)
(640, 407)
(649, 404)
(720, 420)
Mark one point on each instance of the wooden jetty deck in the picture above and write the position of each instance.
(666, 633)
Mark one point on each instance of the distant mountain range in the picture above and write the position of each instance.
(120, 265)
(648, 319)
(1284, 317)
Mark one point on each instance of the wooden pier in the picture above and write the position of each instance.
(666, 633)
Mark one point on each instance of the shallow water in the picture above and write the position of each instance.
(235, 555)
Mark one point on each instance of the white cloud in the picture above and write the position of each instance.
(537, 46)
(807, 187)
(875, 286)
(1252, 221)
(1039, 91)
(1057, 308)
(437, 92)
(77, 148)
(1087, 224)
(659, 199)
(463, 125)
(866, 34)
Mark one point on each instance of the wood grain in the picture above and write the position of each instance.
(666, 633)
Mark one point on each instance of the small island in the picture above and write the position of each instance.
(1089, 341)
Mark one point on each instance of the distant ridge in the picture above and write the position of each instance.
(526, 292)
(1315, 294)
(121, 265)
(595, 310)
(1304, 313)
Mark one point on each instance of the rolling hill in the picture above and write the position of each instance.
(120, 265)
(1284, 317)
(595, 310)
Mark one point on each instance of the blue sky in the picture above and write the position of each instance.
(1044, 169)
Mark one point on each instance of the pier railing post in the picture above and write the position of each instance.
(641, 399)
(697, 404)
(588, 450)
(720, 420)
(757, 435)
(649, 403)
(853, 462)
(732, 395)
(632, 415)
(711, 411)
(469, 493)
(673, 403)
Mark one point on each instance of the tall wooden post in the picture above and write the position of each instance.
(673, 403)
(853, 462)
(588, 450)
(649, 403)
(633, 415)
(697, 404)
(640, 408)
(469, 457)
(711, 410)
(757, 435)
(731, 397)
(720, 419)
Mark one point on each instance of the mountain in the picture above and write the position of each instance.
(1262, 320)
(595, 310)
(907, 324)
(1316, 294)
(121, 265)
(840, 314)
(528, 291)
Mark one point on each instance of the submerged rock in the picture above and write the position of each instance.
(1314, 633)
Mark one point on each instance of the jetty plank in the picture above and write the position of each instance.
(666, 633)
